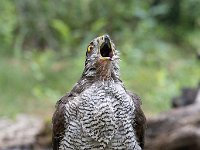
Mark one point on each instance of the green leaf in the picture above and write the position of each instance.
(62, 28)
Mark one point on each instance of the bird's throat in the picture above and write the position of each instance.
(103, 69)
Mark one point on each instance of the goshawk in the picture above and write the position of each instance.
(99, 113)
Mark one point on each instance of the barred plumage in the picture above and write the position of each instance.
(99, 113)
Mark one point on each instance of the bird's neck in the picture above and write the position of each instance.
(104, 70)
(86, 82)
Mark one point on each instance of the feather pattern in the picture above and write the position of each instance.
(101, 117)
(99, 113)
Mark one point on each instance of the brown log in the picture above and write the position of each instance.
(20, 133)
(177, 129)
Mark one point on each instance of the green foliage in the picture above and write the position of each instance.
(159, 77)
(28, 24)
(7, 24)
(43, 46)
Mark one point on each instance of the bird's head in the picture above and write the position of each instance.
(101, 59)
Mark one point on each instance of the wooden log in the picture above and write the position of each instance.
(177, 129)
(19, 133)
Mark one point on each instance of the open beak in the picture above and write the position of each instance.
(106, 50)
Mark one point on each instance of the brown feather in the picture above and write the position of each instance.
(58, 121)
(140, 119)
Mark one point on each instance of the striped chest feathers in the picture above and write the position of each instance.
(102, 109)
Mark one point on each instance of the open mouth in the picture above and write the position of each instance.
(106, 49)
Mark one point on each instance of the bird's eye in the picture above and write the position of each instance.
(90, 48)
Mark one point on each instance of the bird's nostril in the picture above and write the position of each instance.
(107, 38)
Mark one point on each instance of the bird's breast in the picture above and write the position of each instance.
(101, 117)
(104, 108)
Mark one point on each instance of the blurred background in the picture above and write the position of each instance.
(43, 45)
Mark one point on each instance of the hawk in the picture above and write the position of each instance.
(99, 113)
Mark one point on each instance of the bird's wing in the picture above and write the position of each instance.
(59, 122)
(140, 120)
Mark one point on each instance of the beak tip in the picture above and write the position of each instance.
(107, 36)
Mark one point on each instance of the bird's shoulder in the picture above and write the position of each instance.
(58, 120)
(140, 119)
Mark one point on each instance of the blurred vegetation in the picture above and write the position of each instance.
(43, 47)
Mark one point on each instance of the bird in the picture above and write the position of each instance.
(99, 113)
